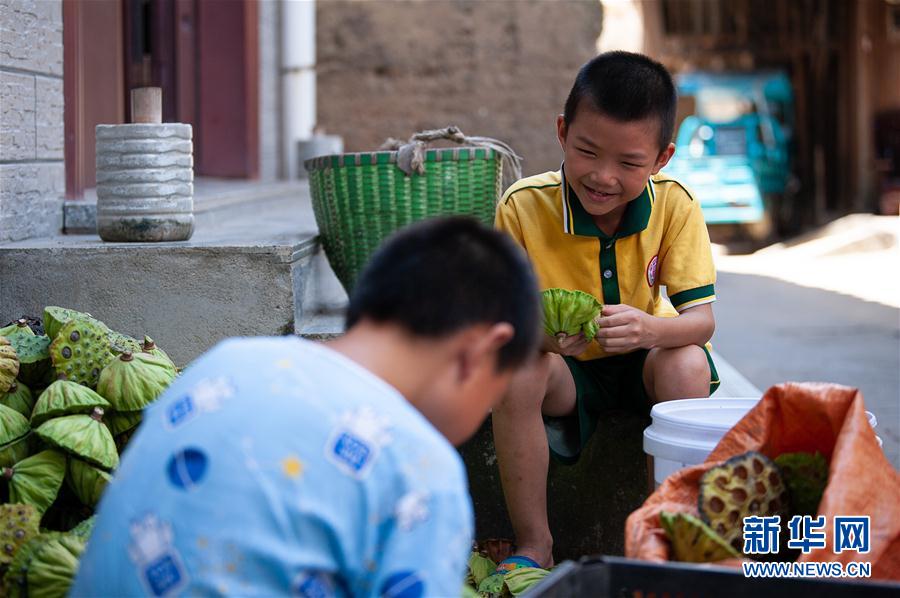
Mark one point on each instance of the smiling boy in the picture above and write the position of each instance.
(608, 223)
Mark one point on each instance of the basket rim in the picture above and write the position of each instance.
(435, 154)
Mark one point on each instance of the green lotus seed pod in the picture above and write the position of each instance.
(36, 480)
(148, 346)
(57, 317)
(80, 351)
(34, 356)
(33, 325)
(570, 312)
(14, 432)
(120, 343)
(135, 380)
(45, 566)
(806, 476)
(20, 326)
(18, 524)
(86, 481)
(14, 580)
(53, 566)
(693, 541)
(84, 436)
(83, 530)
(18, 397)
(122, 423)
(15, 451)
(64, 397)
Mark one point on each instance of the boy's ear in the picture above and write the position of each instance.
(561, 131)
(663, 158)
(483, 345)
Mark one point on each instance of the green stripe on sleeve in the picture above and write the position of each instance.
(679, 299)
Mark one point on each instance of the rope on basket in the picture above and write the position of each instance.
(411, 154)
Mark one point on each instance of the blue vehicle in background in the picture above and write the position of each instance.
(734, 151)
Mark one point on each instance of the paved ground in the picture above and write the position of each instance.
(773, 331)
(858, 255)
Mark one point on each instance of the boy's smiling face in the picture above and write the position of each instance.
(608, 161)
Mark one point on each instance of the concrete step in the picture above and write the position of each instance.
(214, 199)
(253, 267)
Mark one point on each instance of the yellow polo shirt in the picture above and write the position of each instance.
(662, 241)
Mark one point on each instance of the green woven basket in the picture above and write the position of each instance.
(361, 199)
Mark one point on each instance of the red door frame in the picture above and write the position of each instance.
(226, 139)
(209, 63)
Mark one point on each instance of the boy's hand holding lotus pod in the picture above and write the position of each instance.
(570, 312)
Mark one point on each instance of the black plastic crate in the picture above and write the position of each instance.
(615, 577)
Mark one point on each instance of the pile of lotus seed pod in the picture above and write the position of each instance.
(749, 484)
(71, 395)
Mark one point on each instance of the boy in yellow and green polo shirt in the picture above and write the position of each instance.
(608, 223)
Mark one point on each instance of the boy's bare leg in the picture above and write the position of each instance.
(545, 386)
(679, 373)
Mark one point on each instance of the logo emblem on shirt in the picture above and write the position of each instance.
(403, 584)
(187, 468)
(412, 509)
(651, 270)
(206, 396)
(313, 584)
(160, 567)
(356, 441)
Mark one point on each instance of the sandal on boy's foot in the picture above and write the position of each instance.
(517, 561)
(496, 549)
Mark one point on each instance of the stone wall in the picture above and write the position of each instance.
(32, 172)
(501, 69)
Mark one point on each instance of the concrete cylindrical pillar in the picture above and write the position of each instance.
(298, 79)
(145, 182)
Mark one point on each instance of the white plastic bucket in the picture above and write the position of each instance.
(685, 432)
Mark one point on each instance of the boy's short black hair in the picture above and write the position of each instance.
(442, 275)
(627, 87)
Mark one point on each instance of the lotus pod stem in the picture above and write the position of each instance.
(149, 346)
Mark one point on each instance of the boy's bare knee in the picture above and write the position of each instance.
(692, 362)
(693, 369)
(677, 373)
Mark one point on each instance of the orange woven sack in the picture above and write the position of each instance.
(794, 417)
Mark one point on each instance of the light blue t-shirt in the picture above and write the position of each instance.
(276, 466)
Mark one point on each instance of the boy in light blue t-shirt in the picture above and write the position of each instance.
(277, 466)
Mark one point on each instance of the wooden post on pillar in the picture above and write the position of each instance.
(146, 105)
